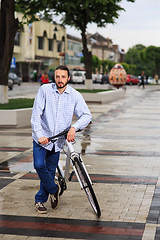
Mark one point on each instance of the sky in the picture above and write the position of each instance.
(139, 24)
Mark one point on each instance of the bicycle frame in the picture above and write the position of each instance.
(70, 155)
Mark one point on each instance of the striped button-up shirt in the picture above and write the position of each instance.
(53, 112)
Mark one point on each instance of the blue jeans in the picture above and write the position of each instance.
(45, 163)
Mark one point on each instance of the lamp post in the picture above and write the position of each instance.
(64, 50)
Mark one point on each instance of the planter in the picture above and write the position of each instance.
(15, 117)
(104, 97)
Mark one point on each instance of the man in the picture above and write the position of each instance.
(44, 78)
(52, 113)
(142, 79)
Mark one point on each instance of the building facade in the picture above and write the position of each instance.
(39, 47)
(42, 46)
(104, 48)
(74, 52)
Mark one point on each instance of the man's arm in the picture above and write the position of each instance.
(36, 114)
(83, 114)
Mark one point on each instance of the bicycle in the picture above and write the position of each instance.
(79, 170)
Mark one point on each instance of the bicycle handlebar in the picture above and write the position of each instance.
(60, 134)
(64, 133)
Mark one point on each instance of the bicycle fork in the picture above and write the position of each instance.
(74, 158)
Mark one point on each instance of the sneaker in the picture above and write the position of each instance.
(54, 198)
(40, 207)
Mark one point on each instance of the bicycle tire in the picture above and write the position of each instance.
(87, 186)
(61, 181)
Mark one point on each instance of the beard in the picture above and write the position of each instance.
(62, 85)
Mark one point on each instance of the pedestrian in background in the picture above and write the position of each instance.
(44, 78)
(142, 83)
(156, 77)
(35, 76)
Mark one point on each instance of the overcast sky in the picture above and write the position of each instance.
(139, 24)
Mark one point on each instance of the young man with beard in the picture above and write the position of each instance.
(53, 110)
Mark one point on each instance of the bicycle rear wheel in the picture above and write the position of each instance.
(87, 186)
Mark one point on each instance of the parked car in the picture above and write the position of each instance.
(78, 76)
(97, 78)
(131, 79)
(151, 80)
(15, 78)
(10, 84)
(105, 79)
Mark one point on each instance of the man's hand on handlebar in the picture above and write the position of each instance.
(71, 134)
(43, 140)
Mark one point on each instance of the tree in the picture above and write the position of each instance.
(141, 58)
(8, 28)
(107, 65)
(152, 55)
(126, 66)
(78, 14)
(134, 58)
(96, 64)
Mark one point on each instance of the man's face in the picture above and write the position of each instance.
(61, 78)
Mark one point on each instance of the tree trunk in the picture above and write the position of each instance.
(87, 60)
(8, 28)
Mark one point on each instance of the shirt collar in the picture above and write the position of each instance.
(54, 87)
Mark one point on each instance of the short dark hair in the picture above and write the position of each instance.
(62, 67)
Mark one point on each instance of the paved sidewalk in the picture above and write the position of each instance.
(121, 153)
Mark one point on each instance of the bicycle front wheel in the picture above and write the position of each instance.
(87, 186)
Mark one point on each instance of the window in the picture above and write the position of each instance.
(74, 46)
(17, 39)
(72, 60)
(50, 44)
(59, 46)
(40, 42)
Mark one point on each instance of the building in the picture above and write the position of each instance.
(39, 47)
(104, 48)
(74, 52)
(42, 46)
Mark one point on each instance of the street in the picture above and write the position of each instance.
(29, 89)
(121, 153)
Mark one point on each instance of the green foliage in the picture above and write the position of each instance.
(74, 13)
(142, 58)
(152, 55)
(96, 63)
(107, 65)
(126, 66)
(18, 103)
(130, 68)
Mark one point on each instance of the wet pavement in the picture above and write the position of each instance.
(122, 154)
